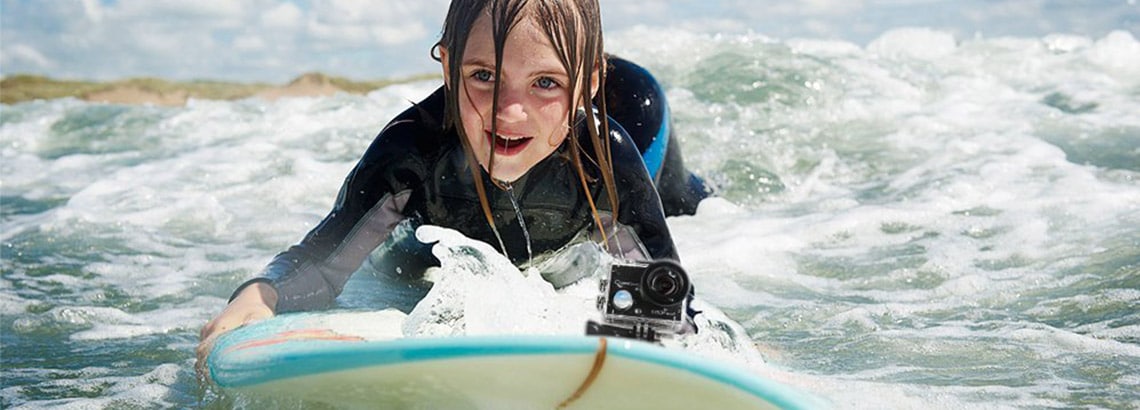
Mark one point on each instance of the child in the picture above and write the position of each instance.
(515, 150)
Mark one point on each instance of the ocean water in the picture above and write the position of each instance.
(925, 221)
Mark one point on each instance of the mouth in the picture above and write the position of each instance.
(507, 144)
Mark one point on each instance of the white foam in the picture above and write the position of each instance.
(1060, 342)
(914, 42)
(148, 390)
(1066, 43)
(10, 304)
(831, 48)
(478, 291)
(1118, 51)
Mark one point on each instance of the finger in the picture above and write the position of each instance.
(203, 353)
(203, 350)
(206, 330)
(200, 365)
(202, 371)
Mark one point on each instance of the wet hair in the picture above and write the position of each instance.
(574, 29)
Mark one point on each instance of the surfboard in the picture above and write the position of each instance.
(361, 360)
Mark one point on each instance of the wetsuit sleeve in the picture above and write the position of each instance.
(640, 230)
(310, 274)
(640, 214)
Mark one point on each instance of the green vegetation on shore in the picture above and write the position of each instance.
(22, 87)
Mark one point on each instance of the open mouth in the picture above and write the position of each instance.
(508, 145)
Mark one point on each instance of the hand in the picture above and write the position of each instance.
(254, 303)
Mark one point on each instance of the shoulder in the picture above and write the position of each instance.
(403, 153)
(625, 158)
(627, 162)
(417, 133)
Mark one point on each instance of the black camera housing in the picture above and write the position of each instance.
(642, 301)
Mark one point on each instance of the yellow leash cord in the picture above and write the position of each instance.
(599, 362)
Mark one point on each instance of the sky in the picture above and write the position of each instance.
(277, 40)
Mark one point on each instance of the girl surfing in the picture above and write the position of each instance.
(536, 141)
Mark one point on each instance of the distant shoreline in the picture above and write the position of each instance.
(21, 87)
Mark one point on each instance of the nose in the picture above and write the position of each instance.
(511, 105)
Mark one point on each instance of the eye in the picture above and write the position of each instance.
(546, 83)
(483, 76)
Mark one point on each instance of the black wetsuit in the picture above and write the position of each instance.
(636, 101)
(415, 170)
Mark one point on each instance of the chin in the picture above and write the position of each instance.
(507, 177)
(506, 172)
(507, 169)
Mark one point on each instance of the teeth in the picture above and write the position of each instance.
(507, 141)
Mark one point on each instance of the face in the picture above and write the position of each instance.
(534, 97)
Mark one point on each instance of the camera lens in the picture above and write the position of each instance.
(665, 283)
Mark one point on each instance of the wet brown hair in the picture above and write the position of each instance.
(574, 29)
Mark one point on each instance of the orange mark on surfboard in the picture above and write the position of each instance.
(297, 335)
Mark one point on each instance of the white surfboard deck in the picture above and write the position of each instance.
(321, 358)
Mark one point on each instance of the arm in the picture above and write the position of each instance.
(640, 228)
(312, 273)
(371, 203)
(308, 275)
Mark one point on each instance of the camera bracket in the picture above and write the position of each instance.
(640, 331)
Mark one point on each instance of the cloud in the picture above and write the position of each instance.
(206, 10)
(242, 40)
(819, 7)
(248, 43)
(282, 16)
(23, 54)
(360, 23)
(93, 10)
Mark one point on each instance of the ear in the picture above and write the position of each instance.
(446, 65)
